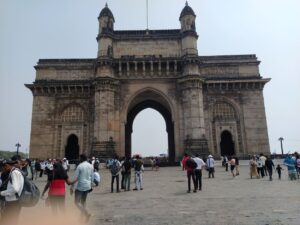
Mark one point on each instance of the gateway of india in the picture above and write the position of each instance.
(211, 104)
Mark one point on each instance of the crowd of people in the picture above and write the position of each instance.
(86, 176)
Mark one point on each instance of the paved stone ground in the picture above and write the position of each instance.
(223, 200)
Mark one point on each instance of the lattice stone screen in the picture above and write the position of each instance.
(224, 111)
(72, 114)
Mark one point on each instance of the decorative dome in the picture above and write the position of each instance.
(187, 10)
(106, 12)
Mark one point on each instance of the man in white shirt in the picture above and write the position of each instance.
(83, 178)
(210, 166)
(15, 183)
(65, 164)
(198, 171)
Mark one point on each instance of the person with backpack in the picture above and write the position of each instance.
(198, 171)
(138, 170)
(14, 186)
(115, 171)
(56, 185)
(190, 165)
(127, 173)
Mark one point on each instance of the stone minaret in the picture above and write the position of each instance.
(190, 85)
(106, 90)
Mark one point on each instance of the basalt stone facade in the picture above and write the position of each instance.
(211, 104)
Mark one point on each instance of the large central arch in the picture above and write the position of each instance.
(150, 99)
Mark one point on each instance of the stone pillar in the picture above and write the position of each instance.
(106, 125)
(193, 115)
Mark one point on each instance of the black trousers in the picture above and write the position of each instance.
(191, 174)
(198, 175)
(270, 171)
(112, 182)
(261, 171)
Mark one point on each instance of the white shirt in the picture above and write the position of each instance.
(15, 186)
(84, 173)
(97, 177)
(199, 162)
(65, 164)
(210, 162)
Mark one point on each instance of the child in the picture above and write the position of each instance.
(279, 168)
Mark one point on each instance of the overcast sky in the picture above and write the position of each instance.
(34, 29)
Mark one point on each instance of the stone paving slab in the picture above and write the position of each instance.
(223, 200)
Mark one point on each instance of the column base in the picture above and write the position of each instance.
(197, 146)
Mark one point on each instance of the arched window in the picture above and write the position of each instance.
(224, 111)
(72, 113)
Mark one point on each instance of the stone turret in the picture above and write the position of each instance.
(106, 27)
(188, 29)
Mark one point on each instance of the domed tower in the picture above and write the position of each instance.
(188, 28)
(106, 27)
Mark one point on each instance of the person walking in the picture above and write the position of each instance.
(115, 167)
(237, 164)
(260, 167)
(138, 170)
(56, 185)
(289, 161)
(210, 162)
(232, 166)
(190, 165)
(225, 162)
(185, 157)
(198, 171)
(13, 188)
(122, 174)
(253, 168)
(278, 169)
(127, 173)
(83, 179)
(269, 166)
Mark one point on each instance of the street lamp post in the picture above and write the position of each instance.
(18, 145)
(281, 139)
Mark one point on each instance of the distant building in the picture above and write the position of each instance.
(211, 104)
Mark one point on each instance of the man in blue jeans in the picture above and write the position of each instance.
(83, 178)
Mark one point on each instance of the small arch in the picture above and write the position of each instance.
(72, 148)
(227, 144)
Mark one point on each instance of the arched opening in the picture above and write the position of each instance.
(72, 148)
(227, 144)
(167, 117)
(149, 137)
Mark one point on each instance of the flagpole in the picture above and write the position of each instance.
(147, 13)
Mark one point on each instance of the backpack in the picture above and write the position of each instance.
(115, 167)
(191, 163)
(96, 165)
(127, 166)
(30, 194)
(138, 165)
